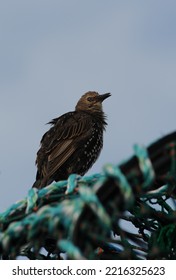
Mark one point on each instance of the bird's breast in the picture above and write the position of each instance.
(91, 148)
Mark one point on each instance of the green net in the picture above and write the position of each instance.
(126, 212)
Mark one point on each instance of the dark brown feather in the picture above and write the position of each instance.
(64, 148)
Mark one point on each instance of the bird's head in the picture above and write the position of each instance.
(91, 101)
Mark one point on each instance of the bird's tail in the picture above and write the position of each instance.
(41, 183)
(37, 184)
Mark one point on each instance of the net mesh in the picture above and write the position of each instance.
(125, 212)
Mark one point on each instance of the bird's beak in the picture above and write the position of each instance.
(102, 97)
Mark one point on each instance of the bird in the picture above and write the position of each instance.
(74, 141)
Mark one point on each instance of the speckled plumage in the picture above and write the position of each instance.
(74, 141)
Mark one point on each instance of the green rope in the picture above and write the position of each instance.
(145, 165)
(115, 172)
(84, 216)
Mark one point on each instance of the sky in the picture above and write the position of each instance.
(53, 51)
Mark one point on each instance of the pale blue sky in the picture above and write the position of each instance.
(53, 51)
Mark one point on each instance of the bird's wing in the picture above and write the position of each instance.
(60, 155)
(60, 142)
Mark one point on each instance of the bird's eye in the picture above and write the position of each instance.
(89, 99)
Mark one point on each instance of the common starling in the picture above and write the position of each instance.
(74, 141)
